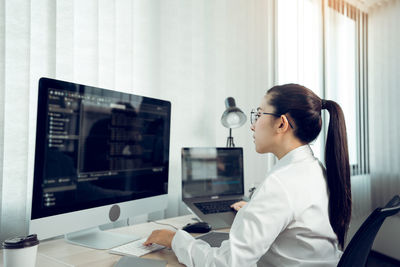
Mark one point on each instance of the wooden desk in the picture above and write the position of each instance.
(58, 252)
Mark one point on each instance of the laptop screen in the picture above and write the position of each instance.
(212, 171)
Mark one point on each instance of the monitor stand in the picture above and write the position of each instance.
(98, 239)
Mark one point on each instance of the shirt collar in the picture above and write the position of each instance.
(298, 154)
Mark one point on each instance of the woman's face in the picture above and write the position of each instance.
(263, 128)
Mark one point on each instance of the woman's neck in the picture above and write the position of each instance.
(287, 146)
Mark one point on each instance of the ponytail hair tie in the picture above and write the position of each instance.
(323, 104)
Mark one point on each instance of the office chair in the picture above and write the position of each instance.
(357, 251)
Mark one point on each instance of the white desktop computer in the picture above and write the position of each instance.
(100, 156)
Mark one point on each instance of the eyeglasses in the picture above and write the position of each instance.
(255, 114)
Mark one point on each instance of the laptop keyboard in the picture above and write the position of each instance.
(216, 206)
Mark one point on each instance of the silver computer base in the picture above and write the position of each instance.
(98, 239)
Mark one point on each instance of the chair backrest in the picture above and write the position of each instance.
(357, 251)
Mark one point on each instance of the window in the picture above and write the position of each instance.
(346, 75)
(340, 71)
(300, 49)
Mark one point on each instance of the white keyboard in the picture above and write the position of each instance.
(135, 248)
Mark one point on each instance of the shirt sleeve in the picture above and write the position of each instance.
(253, 231)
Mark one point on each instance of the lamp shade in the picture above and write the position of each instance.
(232, 117)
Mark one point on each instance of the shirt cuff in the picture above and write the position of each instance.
(181, 245)
(181, 239)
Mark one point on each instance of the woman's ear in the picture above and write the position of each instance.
(283, 124)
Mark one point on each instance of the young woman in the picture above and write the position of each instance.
(300, 214)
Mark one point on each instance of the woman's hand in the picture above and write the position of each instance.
(162, 237)
(238, 205)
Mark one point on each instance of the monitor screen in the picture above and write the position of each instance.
(211, 171)
(96, 147)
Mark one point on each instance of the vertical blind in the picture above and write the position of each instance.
(384, 82)
(193, 53)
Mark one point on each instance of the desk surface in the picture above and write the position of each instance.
(58, 252)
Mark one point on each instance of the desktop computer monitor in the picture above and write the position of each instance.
(100, 156)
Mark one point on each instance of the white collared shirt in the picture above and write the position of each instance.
(286, 223)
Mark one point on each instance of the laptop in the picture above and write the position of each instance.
(212, 180)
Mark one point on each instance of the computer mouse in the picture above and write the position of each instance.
(198, 227)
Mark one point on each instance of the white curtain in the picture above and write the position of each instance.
(193, 53)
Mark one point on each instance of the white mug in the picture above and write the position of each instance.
(20, 251)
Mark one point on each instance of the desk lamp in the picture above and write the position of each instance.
(232, 117)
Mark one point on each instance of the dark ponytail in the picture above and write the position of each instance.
(338, 171)
(304, 107)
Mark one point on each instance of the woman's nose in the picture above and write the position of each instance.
(252, 127)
